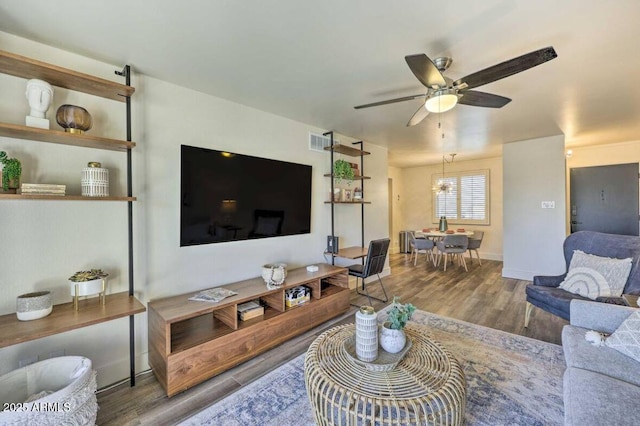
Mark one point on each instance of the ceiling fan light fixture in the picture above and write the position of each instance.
(441, 101)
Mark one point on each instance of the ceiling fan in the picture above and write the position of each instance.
(444, 93)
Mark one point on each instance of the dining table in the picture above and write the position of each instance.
(435, 233)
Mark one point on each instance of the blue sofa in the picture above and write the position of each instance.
(545, 294)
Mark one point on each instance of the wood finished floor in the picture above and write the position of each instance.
(480, 296)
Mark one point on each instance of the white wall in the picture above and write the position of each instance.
(51, 240)
(534, 171)
(398, 214)
(416, 201)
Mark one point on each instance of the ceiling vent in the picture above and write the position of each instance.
(320, 142)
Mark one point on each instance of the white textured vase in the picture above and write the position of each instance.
(391, 340)
(32, 306)
(366, 334)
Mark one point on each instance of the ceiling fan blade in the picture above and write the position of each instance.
(424, 69)
(391, 101)
(507, 68)
(482, 99)
(418, 116)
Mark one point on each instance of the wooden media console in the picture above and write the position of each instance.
(192, 341)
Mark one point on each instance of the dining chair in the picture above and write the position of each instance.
(454, 245)
(474, 244)
(374, 264)
(421, 245)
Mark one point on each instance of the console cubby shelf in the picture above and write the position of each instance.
(191, 341)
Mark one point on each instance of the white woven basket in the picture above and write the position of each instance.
(59, 391)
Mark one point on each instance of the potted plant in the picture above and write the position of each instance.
(392, 336)
(342, 170)
(85, 283)
(11, 171)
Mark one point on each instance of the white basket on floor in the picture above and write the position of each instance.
(55, 391)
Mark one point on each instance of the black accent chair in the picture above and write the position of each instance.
(545, 293)
(266, 223)
(374, 265)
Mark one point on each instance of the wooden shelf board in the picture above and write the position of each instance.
(60, 137)
(197, 330)
(21, 66)
(354, 178)
(347, 150)
(62, 198)
(355, 252)
(332, 289)
(268, 314)
(65, 318)
(347, 202)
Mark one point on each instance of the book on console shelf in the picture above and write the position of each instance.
(249, 310)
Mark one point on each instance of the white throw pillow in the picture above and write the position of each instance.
(594, 276)
(626, 339)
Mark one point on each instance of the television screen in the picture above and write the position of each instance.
(229, 197)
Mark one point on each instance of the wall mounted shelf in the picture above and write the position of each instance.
(62, 198)
(60, 137)
(64, 317)
(336, 148)
(21, 66)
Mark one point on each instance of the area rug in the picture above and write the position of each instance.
(511, 380)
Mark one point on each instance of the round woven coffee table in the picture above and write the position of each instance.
(426, 387)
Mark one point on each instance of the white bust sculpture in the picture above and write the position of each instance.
(39, 94)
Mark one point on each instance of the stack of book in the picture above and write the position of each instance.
(249, 310)
(42, 189)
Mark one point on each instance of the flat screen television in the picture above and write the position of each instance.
(229, 197)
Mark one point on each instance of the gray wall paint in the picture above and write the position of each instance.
(534, 171)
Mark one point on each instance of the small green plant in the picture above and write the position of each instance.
(11, 170)
(82, 276)
(399, 314)
(342, 170)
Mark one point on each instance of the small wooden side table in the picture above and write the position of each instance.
(426, 387)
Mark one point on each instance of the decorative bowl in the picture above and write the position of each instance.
(32, 306)
(74, 119)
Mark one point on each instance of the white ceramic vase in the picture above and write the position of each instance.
(391, 340)
(366, 334)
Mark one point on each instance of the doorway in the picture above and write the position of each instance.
(605, 199)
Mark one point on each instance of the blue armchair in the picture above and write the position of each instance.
(545, 293)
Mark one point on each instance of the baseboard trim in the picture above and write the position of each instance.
(518, 274)
(118, 371)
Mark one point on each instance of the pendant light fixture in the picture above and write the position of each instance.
(443, 187)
